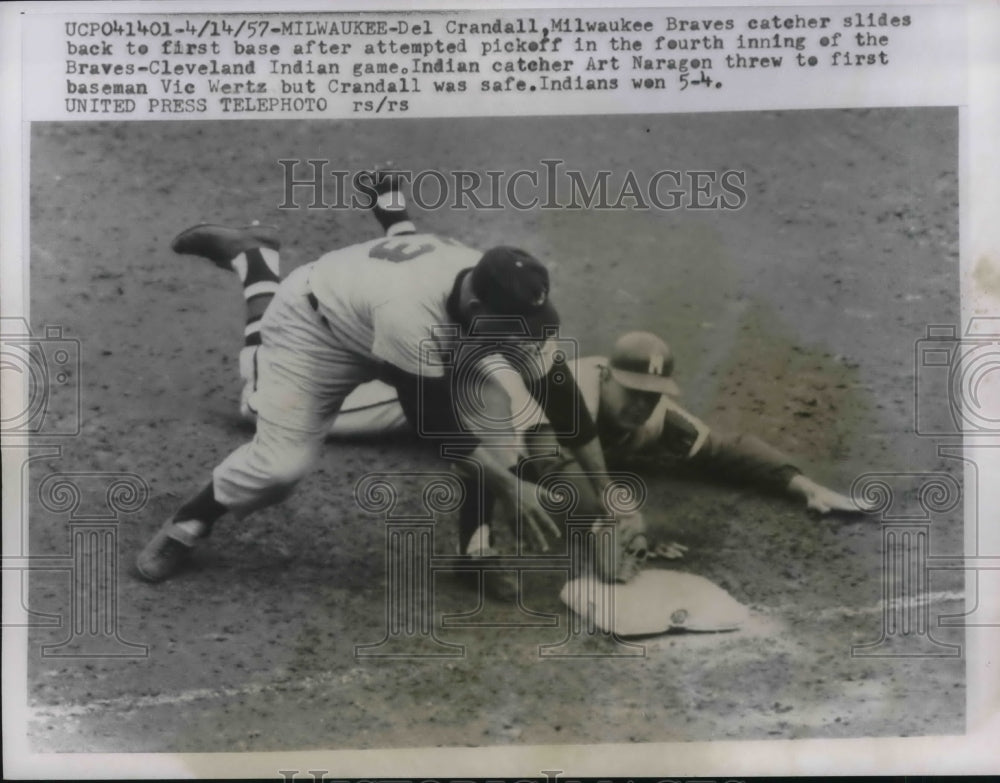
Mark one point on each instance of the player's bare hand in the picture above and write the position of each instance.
(526, 506)
(543, 528)
(669, 550)
(820, 500)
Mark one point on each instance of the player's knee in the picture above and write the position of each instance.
(275, 468)
(288, 467)
(278, 481)
(253, 477)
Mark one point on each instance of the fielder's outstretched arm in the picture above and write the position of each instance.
(558, 394)
(576, 431)
(440, 415)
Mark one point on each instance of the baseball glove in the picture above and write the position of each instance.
(623, 560)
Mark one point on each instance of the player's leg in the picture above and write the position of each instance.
(251, 252)
(371, 410)
(374, 408)
(304, 375)
(390, 208)
(257, 474)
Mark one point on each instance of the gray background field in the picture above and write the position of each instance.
(794, 318)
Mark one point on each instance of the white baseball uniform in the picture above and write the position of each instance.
(333, 325)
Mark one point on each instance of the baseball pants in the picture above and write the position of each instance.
(304, 375)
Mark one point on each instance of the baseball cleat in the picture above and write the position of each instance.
(221, 244)
(166, 552)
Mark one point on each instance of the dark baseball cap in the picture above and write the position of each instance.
(641, 360)
(514, 285)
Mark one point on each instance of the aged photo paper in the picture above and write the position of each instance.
(261, 267)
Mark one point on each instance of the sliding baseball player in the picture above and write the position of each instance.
(630, 395)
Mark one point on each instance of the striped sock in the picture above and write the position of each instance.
(259, 272)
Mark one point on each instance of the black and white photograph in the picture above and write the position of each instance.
(481, 432)
(769, 311)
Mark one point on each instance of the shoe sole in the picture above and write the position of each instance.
(161, 539)
(270, 242)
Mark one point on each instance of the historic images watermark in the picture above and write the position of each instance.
(494, 348)
(949, 372)
(41, 409)
(518, 436)
(41, 381)
(315, 184)
(411, 630)
(91, 502)
(907, 504)
(957, 380)
(956, 395)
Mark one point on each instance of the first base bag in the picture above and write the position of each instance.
(655, 602)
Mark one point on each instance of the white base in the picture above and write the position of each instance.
(655, 602)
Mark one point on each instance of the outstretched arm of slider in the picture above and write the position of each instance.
(822, 500)
(747, 459)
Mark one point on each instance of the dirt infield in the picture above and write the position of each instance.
(794, 318)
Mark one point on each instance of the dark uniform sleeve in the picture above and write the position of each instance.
(437, 418)
(742, 458)
(559, 396)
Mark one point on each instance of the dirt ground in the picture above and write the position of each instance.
(794, 318)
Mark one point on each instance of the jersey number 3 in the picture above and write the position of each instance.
(397, 250)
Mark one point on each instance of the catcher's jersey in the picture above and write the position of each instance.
(387, 299)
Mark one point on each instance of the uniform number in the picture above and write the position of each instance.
(398, 250)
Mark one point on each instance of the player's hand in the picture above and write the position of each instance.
(625, 559)
(526, 506)
(821, 500)
(536, 518)
(669, 550)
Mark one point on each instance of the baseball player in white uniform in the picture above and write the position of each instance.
(636, 405)
(629, 396)
(387, 309)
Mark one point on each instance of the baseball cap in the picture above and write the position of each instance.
(513, 284)
(641, 360)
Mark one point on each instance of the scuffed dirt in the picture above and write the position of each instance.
(794, 318)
